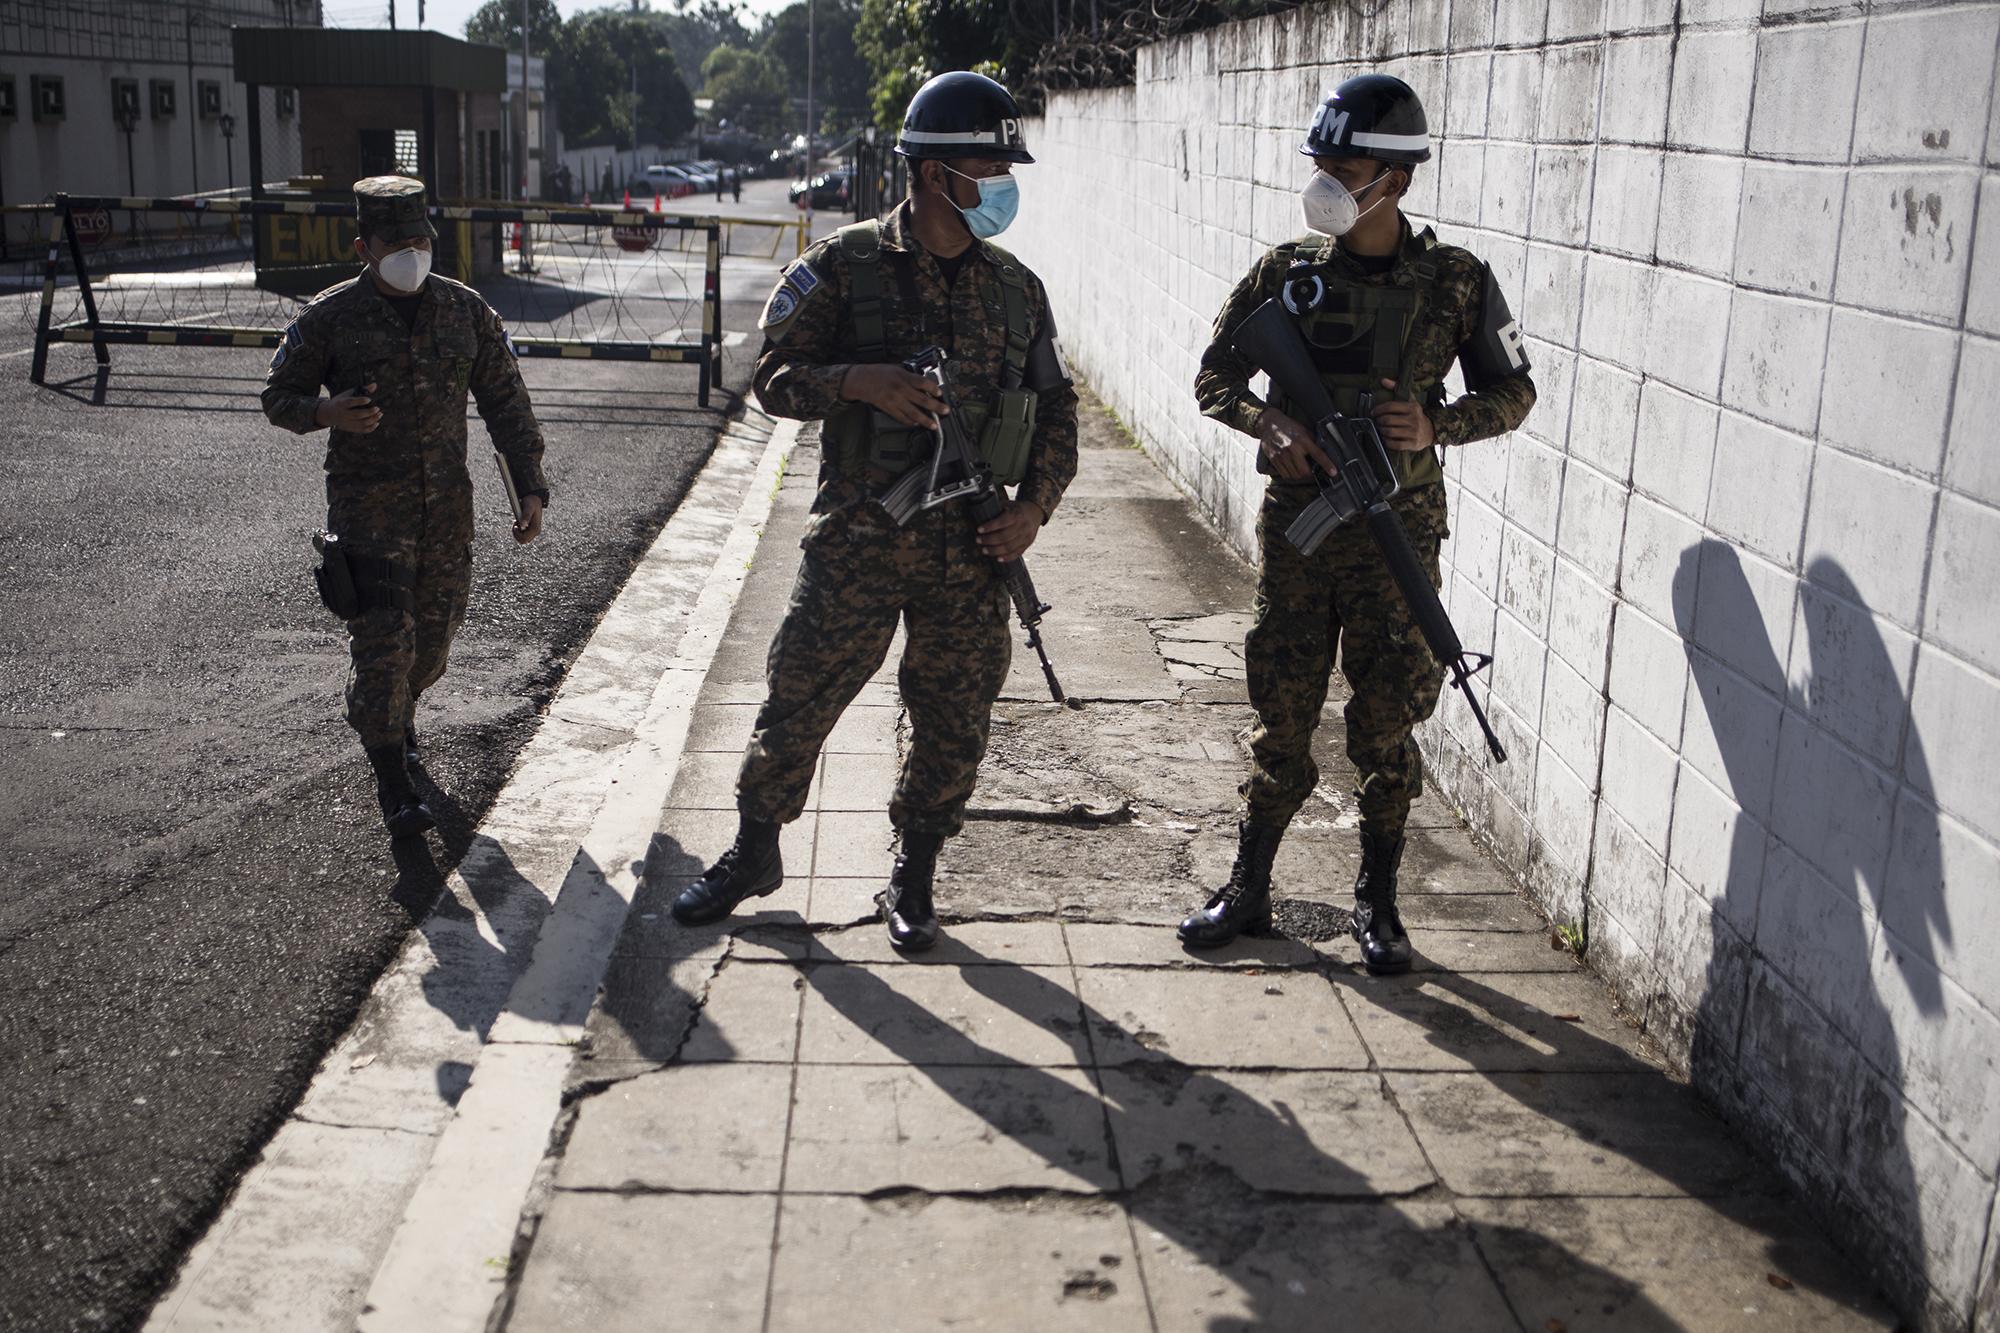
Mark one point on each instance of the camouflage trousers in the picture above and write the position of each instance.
(398, 653)
(1341, 596)
(860, 577)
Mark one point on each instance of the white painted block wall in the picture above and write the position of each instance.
(1738, 568)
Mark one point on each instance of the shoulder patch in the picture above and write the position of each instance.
(798, 283)
(285, 346)
(801, 276)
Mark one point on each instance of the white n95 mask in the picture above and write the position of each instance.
(1329, 208)
(406, 269)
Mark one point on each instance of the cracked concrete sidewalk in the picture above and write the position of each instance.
(1059, 1119)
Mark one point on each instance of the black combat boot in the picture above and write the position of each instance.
(1378, 927)
(1242, 906)
(751, 868)
(403, 811)
(412, 752)
(913, 923)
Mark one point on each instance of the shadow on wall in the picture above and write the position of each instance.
(1796, 1037)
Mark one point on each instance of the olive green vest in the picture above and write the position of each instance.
(1372, 325)
(858, 437)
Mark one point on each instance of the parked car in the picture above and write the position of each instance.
(703, 178)
(830, 189)
(668, 182)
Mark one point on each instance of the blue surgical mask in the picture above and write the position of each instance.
(999, 201)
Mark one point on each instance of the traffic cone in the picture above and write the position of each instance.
(586, 199)
(656, 202)
(628, 201)
(515, 244)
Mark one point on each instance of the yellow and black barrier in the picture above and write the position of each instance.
(705, 353)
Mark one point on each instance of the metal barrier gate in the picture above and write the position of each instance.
(587, 242)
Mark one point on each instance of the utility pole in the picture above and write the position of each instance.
(635, 85)
(812, 48)
(392, 15)
(523, 173)
(193, 111)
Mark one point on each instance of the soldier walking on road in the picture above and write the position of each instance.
(836, 329)
(1386, 311)
(398, 347)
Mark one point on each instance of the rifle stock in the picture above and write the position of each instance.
(1272, 342)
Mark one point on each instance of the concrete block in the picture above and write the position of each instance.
(1618, 297)
(1638, 780)
(1675, 459)
(1700, 198)
(1554, 293)
(1925, 81)
(1628, 882)
(1519, 657)
(1971, 464)
(1721, 12)
(1471, 24)
(1713, 76)
(1579, 622)
(1527, 574)
(1575, 18)
(1570, 77)
(1903, 243)
(1758, 495)
(1815, 935)
(1982, 298)
(1572, 719)
(1468, 80)
(1630, 15)
(1565, 810)
(1513, 110)
(1730, 734)
(1649, 675)
(1942, 896)
(1520, 22)
(1605, 418)
(1717, 849)
(1788, 230)
(1776, 358)
(1534, 487)
(1887, 390)
(1562, 194)
(1831, 805)
(1867, 534)
(1624, 213)
(1955, 731)
(1461, 169)
(1509, 187)
(1959, 607)
(1806, 75)
(1704, 967)
(1638, 74)
(1743, 613)
(1657, 542)
(1475, 546)
(1593, 522)
(1152, 1014)
(1482, 468)
(1430, 26)
(1851, 670)
(1555, 377)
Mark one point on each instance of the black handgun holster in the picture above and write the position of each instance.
(335, 579)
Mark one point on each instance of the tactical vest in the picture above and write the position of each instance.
(859, 437)
(1360, 334)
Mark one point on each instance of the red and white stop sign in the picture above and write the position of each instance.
(635, 238)
(92, 225)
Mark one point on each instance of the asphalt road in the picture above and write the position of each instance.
(200, 893)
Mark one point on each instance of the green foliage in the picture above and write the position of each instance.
(841, 79)
(749, 88)
(1573, 936)
(593, 58)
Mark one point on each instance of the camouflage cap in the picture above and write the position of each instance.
(393, 207)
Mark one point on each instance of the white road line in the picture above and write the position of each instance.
(396, 1179)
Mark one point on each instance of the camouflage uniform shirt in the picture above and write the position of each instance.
(349, 336)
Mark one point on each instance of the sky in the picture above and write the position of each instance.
(449, 16)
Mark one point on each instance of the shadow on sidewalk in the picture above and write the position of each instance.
(1290, 1249)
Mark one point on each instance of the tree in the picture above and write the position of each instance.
(749, 87)
(498, 23)
(695, 31)
(594, 95)
(841, 80)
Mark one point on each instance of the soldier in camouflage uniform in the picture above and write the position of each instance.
(397, 347)
(1386, 311)
(838, 324)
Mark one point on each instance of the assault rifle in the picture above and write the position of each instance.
(956, 471)
(1361, 486)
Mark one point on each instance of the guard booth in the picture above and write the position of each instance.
(369, 103)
